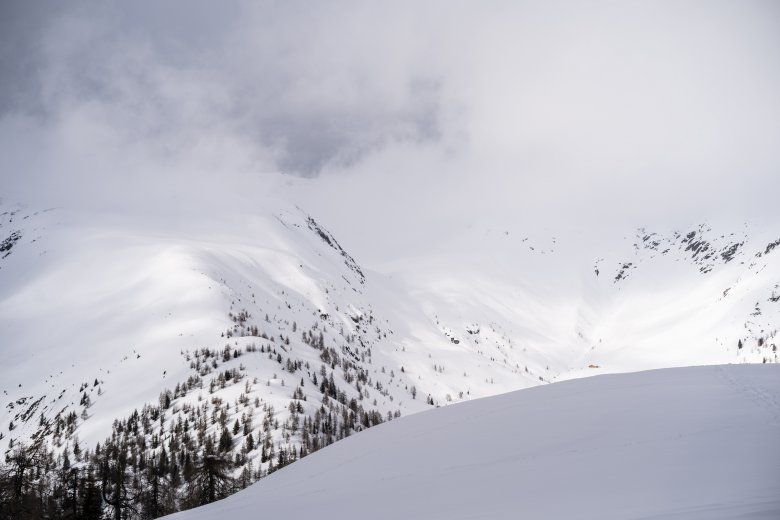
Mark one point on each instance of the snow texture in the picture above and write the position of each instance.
(126, 300)
(685, 444)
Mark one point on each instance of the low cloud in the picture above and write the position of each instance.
(626, 109)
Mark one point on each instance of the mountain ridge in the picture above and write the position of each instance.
(113, 320)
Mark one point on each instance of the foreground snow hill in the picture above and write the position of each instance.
(684, 443)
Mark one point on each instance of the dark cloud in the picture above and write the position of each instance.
(667, 107)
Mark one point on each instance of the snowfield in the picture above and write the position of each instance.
(269, 260)
(266, 332)
(685, 443)
(100, 313)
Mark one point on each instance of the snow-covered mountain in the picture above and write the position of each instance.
(234, 234)
(690, 443)
(263, 320)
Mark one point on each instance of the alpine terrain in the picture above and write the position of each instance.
(408, 260)
(134, 352)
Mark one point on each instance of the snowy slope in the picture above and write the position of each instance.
(103, 313)
(120, 310)
(643, 300)
(690, 443)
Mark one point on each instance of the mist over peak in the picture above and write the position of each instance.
(634, 111)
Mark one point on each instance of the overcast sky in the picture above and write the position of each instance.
(620, 108)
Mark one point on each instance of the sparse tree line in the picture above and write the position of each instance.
(181, 453)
